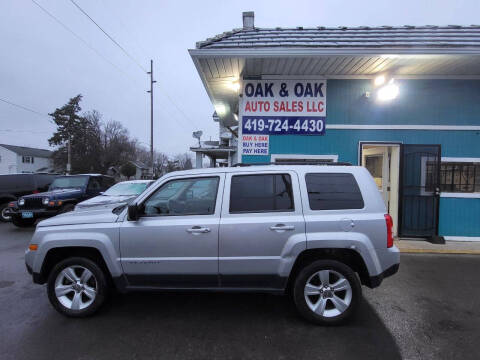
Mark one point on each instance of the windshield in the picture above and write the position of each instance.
(126, 189)
(68, 182)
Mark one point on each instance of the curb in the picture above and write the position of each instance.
(440, 251)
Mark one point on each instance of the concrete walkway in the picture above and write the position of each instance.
(450, 247)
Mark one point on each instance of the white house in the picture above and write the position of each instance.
(21, 159)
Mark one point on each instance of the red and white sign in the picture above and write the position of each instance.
(255, 144)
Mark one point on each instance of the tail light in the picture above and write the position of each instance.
(389, 222)
(35, 192)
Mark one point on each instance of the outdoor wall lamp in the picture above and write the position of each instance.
(388, 92)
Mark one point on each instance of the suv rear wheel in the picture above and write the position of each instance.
(77, 287)
(327, 292)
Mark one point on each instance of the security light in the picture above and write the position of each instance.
(388, 92)
(379, 80)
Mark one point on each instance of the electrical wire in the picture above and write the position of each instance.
(23, 107)
(84, 41)
(110, 37)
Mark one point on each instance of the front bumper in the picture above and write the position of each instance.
(37, 213)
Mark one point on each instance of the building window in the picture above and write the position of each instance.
(27, 159)
(456, 177)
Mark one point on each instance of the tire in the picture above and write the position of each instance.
(76, 298)
(22, 223)
(332, 307)
(3, 216)
(66, 208)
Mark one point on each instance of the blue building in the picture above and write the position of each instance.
(402, 101)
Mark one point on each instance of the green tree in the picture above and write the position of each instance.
(128, 170)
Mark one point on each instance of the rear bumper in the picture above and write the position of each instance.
(376, 280)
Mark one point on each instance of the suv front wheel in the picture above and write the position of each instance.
(77, 287)
(327, 292)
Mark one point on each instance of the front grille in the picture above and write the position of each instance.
(33, 203)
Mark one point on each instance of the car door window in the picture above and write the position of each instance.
(261, 193)
(93, 185)
(194, 196)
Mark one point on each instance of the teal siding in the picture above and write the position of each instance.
(459, 217)
(345, 143)
(420, 102)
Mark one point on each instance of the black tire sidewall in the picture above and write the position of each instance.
(102, 286)
(2, 207)
(304, 275)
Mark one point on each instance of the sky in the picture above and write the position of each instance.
(42, 64)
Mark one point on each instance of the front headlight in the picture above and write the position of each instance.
(45, 201)
(21, 202)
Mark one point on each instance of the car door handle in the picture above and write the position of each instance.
(198, 230)
(282, 227)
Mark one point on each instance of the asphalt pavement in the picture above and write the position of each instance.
(429, 310)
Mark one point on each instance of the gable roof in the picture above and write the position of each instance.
(429, 36)
(139, 165)
(28, 151)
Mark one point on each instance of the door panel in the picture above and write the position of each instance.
(254, 246)
(174, 251)
(419, 198)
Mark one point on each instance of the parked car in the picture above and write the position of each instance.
(62, 196)
(13, 186)
(118, 194)
(315, 232)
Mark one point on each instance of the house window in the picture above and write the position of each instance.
(27, 159)
(457, 177)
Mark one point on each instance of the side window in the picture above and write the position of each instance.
(331, 191)
(261, 193)
(184, 197)
(94, 184)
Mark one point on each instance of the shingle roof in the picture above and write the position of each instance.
(451, 36)
(28, 151)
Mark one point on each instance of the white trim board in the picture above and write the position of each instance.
(460, 159)
(404, 127)
(274, 157)
(462, 238)
(460, 195)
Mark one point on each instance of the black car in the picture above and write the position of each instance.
(62, 196)
(15, 185)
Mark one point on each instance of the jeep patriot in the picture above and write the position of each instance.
(316, 233)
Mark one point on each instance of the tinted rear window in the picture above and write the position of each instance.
(331, 191)
(261, 193)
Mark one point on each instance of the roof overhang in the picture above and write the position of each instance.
(218, 68)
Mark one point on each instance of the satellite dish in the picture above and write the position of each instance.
(197, 134)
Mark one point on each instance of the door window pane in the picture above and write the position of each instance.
(261, 193)
(330, 191)
(184, 197)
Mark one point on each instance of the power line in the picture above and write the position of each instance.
(22, 107)
(110, 37)
(83, 41)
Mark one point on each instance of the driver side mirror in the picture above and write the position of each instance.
(133, 212)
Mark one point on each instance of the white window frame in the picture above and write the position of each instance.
(474, 195)
(333, 157)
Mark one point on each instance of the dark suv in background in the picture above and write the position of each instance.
(62, 196)
(15, 185)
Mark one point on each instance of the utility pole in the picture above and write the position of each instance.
(151, 113)
(69, 155)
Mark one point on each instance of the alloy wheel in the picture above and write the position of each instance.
(328, 293)
(76, 287)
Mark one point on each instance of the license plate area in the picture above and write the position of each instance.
(27, 215)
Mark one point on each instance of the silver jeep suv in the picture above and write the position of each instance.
(315, 232)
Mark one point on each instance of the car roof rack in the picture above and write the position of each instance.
(294, 163)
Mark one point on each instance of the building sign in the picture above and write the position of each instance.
(255, 144)
(290, 107)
